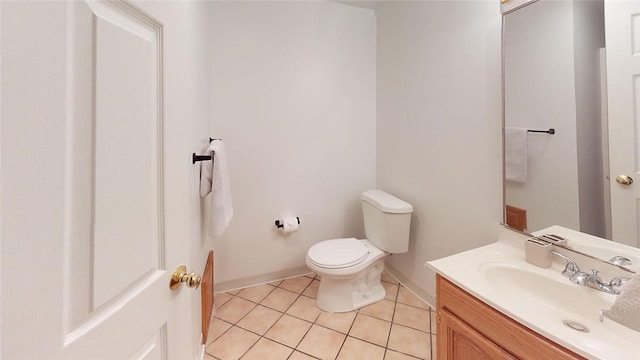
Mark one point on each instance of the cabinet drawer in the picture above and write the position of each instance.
(511, 336)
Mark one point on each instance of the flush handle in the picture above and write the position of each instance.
(180, 276)
(624, 180)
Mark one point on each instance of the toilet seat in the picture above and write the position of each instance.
(338, 253)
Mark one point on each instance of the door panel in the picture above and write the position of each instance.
(622, 29)
(126, 212)
(83, 261)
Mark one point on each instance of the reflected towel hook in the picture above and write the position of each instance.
(550, 131)
(195, 157)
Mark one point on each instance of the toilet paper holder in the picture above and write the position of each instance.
(280, 225)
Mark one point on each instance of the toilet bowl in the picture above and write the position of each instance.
(349, 268)
(349, 272)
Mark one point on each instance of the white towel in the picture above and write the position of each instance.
(626, 308)
(214, 179)
(515, 151)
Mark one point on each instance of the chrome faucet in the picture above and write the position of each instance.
(595, 282)
(573, 273)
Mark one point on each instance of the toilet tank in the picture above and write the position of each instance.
(386, 221)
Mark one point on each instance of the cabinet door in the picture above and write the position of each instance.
(460, 341)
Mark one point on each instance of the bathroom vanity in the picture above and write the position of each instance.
(470, 329)
(492, 304)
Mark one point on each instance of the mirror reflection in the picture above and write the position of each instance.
(553, 69)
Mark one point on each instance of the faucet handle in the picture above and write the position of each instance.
(571, 268)
(616, 282)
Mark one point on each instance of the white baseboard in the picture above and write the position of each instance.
(411, 286)
(260, 279)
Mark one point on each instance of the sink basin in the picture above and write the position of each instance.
(550, 291)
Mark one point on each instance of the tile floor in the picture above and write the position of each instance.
(280, 320)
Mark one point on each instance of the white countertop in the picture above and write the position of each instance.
(606, 340)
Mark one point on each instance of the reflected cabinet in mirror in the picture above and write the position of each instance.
(572, 66)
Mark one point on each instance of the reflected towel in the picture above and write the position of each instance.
(515, 151)
(214, 179)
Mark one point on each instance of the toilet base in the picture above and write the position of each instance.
(347, 293)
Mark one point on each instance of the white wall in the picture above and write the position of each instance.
(588, 38)
(439, 125)
(294, 102)
(552, 82)
(540, 94)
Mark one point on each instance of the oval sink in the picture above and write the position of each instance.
(549, 290)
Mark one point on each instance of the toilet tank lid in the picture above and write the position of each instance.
(386, 202)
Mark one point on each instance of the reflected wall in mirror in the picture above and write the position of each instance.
(552, 69)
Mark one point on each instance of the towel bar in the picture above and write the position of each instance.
(550, 131)
(195, 158)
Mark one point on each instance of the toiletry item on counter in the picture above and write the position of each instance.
(538, 252)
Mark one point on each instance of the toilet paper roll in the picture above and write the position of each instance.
(289, 225)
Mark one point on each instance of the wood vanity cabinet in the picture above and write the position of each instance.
(471, 329)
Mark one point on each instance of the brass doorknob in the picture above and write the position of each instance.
(624, 180)
(180, 276)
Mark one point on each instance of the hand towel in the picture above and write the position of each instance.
(626, 308)
(214, 179)
(206, 175)
(515, 150)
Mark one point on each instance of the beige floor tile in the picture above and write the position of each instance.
(388, 278)
(322, 342)
(382, 310)
(288, 330)
(371, 329)
(208, 357)
(407, 297)
(259, 320)
(410, 341)
(267, 349)
(304, 308)
(220, 299)
(312, 290)
(256, 293)
(234, 310)
(275, 283)
(354, 349)
(234, 292)
(412, 317)
(297, 355)
(297, 284)
(279, 299)
(311, 275)
(232, 344)
(340, 322)
(392, 355)
(391, 290)
(434, 322)
(216, 328)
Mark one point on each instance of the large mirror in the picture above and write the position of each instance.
(558, 165)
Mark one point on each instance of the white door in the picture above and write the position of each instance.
(622, 28)
(85, 271)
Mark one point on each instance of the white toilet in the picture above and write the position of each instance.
(350, 269)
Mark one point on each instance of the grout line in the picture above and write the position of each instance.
(314, 322)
